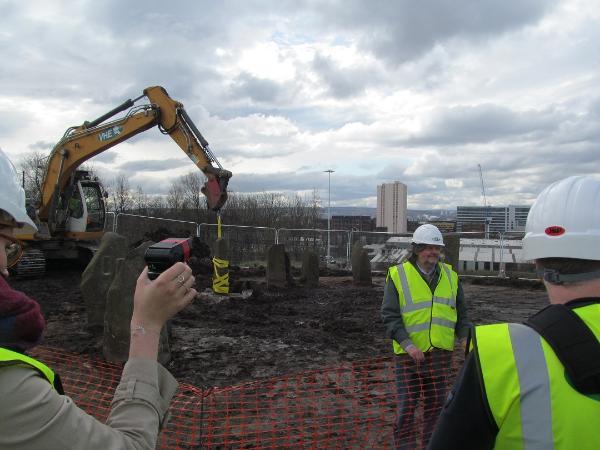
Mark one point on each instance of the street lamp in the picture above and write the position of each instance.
(329, 172)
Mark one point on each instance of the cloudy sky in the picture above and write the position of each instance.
(382, 90)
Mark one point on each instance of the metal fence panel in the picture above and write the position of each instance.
(110, 222)
(248, 245)
(296, 241)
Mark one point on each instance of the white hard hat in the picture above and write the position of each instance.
(564, 221)
(12, 196)
(428, 234)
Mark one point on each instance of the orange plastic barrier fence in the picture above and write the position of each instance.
(353, 405)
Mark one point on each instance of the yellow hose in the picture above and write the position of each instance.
(220, 281)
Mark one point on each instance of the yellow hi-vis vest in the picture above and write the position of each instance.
(11, 358)
(429, 318)
(531, 400)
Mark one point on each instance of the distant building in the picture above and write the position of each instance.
(356, 223)
(391, 207)
(502, 218)
(445, 226)
(412, 225)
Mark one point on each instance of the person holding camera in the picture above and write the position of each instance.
(35, 412)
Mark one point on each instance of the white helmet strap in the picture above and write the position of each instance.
(555, 277)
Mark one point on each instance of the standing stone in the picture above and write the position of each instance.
(310, 268)
(119, 309)
(451, 250)
(361, 266)
(98, 276)
(278, 267)
(221, 267)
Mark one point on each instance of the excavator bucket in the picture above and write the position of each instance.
(215, 191)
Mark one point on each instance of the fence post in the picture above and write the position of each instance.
(349, 248)
(502, 271)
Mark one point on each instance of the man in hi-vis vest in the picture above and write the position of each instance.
(423, 310)
(536, 385)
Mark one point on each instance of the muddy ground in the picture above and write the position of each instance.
(271, 333)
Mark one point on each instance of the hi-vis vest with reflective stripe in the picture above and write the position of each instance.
(429, 318)
(9, 358)
(533, 404)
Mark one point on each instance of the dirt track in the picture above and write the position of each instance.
(272, 333)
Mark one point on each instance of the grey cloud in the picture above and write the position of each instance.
(398, 31)
(83, 73)
(346, 82)
(254, 153)
(11, 121)
(151, 43)
(259, 90)
(483, 123)
(391, 173)
(343, 186)
(595, 108)
(41, 145)
(106, 157)
(152, 165)
(149, 186)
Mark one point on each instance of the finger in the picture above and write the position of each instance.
(184, 287)
(183, 276)
(189, 297)
(172, 272)
(143, 278)
(190, 281)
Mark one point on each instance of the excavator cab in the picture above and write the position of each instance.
(85, 204)
(94, 205)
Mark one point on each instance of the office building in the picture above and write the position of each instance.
(391, 207)
(501, 218)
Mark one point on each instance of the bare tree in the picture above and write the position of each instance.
(156, 206)
(122, 200)
(191, 184)
(33, 166)
(272, 209)
(175, 197)
(140, 200)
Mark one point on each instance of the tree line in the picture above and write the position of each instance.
(185, 201)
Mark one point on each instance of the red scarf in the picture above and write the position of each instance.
(21, 320)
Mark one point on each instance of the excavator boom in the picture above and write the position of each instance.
(91, 138)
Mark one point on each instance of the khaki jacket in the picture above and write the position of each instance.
(34, 416)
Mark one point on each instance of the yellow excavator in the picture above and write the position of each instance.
(71, 213)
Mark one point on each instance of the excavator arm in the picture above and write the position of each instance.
(91, 138)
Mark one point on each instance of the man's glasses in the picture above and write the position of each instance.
(14, 250)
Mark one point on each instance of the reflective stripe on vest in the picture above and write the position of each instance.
(530, 398)
(429, 318)
(11, 358)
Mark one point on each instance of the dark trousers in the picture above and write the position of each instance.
(421, 390)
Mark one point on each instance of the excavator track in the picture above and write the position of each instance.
(31, 265)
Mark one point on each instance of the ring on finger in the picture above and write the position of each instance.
(181, 279)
